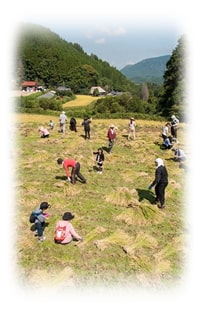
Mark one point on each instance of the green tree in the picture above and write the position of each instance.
(172, 99)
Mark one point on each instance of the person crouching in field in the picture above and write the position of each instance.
(38, 217)
(44, 132)
(75, 166)
(64, 231)
(160, 182)
(167, 143)
(51, 124)
(179, 154)
(165, 131)
(99, 160)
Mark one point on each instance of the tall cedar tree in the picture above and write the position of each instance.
(144, 95)
(173, 97)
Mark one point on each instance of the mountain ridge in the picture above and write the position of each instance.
(147, 70)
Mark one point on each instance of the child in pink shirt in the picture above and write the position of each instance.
(70, 233)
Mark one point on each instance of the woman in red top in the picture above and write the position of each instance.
(75, 169)
(111, 137)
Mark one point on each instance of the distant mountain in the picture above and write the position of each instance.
(45, 57)
(147, 70)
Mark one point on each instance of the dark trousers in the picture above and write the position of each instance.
(110, 145)
(39, 228)
(76, 171)
(87, 133)
(160, 192)
(174, 132)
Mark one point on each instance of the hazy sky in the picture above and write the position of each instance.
(119, 43)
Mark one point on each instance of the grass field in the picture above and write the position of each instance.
(80, 101)
(127, 239)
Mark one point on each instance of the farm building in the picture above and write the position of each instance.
(29, 86)
(97, 91)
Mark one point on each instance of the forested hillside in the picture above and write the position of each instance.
(45, 57)
(51, 61)
(148, 70)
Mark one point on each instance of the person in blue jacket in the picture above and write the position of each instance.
(39, 219)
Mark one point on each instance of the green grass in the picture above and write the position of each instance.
(126, 237)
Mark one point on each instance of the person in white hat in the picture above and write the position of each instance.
(111, 134)
(43, 132)
(174, 127)
(160, 182)
(62, 120)
(131, 128)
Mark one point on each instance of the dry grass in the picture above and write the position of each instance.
(126, 237)
(80, 101)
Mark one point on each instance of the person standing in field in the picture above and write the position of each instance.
(62, 120)
(111, 134)
(165, 131)
(174, 127)
(160, 182)
(72, 124)
(131, 128)
(86, 124)
(69, 163)
(99, 160)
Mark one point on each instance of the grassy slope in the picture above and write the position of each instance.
(80, 101)
(127, 239)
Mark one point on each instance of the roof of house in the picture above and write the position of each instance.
(63, 88)
(100, 89)
(29, 83)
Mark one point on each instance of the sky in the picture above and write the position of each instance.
(120, 33)
(119, 43)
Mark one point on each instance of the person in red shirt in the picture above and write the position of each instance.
(69, 163)
(111, 134)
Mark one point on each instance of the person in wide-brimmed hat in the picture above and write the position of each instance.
(65, 226)
(131, 128)
(111, 134)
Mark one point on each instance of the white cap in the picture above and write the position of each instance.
(159, 162)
